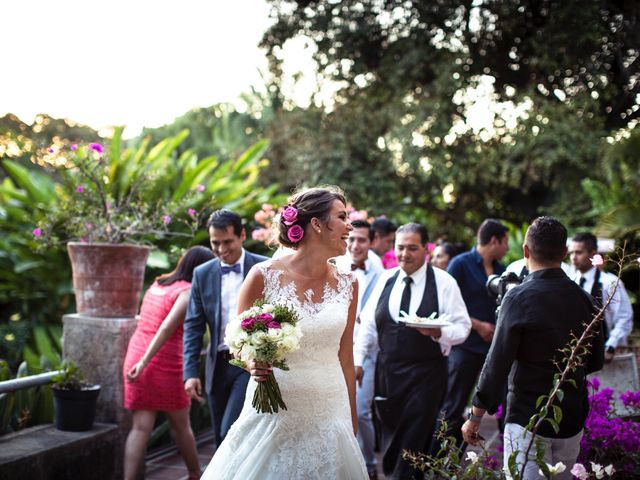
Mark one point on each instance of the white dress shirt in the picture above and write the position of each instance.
(450, 303)
(619, 314)
(375, 259)
(229, 288)
(517, 266)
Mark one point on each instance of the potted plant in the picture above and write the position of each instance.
(111, 204)
(74, 399)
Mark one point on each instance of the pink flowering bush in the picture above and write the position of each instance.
(109, 195)
(610, 438)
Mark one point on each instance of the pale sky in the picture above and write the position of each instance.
(135, 63)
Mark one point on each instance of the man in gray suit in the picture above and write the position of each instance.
(214, 297)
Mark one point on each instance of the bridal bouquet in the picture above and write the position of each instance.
(264, 333)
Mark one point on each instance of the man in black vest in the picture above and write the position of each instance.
(601, 285)
(411, 371)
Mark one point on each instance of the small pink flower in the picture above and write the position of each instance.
(50, 150)
(73, 147)
(79, 189)
(295, 233)
(273, 324)
(109, 206)
(96, 147)
(261, 217)
(166, 219)
(597, 260)
(260, 234)
(37, 232)
(247, 323)
(89, 226)
(290, 215)
(192, 213)
(265, 317)
(201, 188)
(267, 207)
(579, 471)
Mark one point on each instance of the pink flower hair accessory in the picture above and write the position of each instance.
(289, 215)
(295, 233)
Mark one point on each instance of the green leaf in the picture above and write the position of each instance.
(557, 414)
(560, 395)
(540, 399)
(39, 186)
(554, 424)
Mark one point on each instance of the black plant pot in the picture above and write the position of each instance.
(75, 409)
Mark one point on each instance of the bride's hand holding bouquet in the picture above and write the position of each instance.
(259, 338)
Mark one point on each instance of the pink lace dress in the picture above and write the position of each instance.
(160, 386)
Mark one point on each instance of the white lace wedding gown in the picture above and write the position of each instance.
(313, 438)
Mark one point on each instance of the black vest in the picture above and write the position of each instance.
(399, 343)
(596, 293)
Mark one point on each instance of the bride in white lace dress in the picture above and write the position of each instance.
(315, 437)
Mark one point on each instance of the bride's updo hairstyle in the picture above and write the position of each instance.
(302, 206)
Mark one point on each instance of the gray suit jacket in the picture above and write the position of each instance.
(205, 309)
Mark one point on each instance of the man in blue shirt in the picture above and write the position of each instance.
(471, 270)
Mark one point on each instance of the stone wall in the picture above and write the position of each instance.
(45, 453)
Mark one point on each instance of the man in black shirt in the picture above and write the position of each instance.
(537, 319)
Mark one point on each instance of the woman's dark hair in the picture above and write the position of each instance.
(186, 265)
(449, 249)
(311, 202)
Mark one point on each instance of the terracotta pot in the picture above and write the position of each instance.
(107, 279)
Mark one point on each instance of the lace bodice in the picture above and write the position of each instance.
(314, 437)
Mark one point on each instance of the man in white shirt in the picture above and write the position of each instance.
(619, 315)
(411, 369)
(367, 272)
(214, 300)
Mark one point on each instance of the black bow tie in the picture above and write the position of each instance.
(355, 266)
(233, 268)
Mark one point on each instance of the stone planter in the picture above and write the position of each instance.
(107, 279)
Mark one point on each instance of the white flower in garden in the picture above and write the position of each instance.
(472, 457)
(597, 260)
(609, 470)
(554, 469)
(597, 470)
(580, 472)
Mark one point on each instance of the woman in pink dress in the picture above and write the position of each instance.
(153, 365)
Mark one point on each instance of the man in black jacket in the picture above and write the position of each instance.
(537, 319)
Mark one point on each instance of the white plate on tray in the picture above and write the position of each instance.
(421, 322)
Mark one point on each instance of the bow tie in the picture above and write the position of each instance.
(233, 268)
(355, 266)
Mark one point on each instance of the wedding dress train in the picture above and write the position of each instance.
(313, 438)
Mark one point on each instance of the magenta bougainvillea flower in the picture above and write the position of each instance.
(96, 147)
(37, 232)
(79, 189)
(166, 219)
